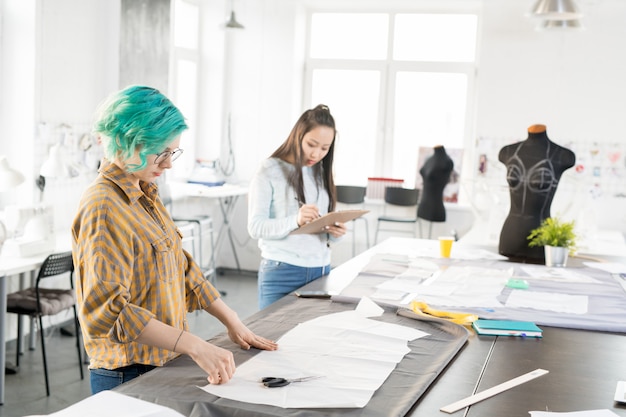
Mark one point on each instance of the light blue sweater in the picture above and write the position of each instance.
(273, 213)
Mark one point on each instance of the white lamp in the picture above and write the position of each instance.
(9, 177)
(53, 167)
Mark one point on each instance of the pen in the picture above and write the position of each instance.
(300, 204)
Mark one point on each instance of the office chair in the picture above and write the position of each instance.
(404, 197)
(37, 302)
(351, 194)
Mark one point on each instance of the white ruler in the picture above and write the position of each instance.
(451, 408)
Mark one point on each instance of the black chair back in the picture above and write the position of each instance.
(350, 194)
(56, 264)
(401, 196)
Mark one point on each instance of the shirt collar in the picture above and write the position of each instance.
(123, 180)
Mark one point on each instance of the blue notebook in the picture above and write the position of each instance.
(506, 328)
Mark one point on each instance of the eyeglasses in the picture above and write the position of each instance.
(173, 155)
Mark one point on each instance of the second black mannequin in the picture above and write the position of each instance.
(435, 175)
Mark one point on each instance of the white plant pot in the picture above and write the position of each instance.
(556, 256)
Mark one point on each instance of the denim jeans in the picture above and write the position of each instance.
(106, 379)
(277, 279)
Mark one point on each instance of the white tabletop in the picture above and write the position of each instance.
(181, 190)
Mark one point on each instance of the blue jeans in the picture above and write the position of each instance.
(277, 279)
(106, 379)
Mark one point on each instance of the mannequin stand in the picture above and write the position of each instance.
(430, 229)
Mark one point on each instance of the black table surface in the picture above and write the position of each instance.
(584, 368)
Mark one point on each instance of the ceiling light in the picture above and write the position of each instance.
(232, 22)
(560, 24)
(556, 10)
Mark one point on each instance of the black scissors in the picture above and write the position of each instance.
(275, 382)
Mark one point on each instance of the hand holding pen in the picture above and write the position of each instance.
(307, 213)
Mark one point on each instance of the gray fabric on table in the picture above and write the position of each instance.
(174, 385)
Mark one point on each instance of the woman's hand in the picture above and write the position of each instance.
(237, 331)
(307, 213)
(218, 363)
(337, 230)
(245, 338)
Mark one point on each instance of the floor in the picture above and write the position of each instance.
(25, 393)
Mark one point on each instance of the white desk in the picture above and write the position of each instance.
(227, 196)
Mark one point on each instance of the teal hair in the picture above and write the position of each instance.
(137, 118)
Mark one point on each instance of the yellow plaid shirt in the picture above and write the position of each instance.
(130, 267)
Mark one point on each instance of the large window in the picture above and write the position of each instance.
(395, 82)
(184, 80)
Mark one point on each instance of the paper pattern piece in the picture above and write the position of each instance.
(610, 267)
(466, 286)
(110, 403)
(319, 225)
(549, 301)
(353, 353)
(557, 274)
(620, 392)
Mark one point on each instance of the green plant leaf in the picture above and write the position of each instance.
(553, 232)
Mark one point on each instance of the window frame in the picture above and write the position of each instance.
(389, 68)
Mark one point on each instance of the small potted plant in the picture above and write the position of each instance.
(558, 239)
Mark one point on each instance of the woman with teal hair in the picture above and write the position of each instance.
(135, 282)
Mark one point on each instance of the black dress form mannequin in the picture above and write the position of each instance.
(534, 167)
(435, 175)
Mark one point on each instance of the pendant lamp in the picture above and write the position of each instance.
(560, 24)
(555, 10)
(232, 23)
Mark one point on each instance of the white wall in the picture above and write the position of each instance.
(571, 81)
(17, 88)
(78, 58)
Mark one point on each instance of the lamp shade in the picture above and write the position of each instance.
(233, 23)
(560, 24)
(53, 167)
(9, 177)
(556, 10)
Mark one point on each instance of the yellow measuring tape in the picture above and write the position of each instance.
(422, 308)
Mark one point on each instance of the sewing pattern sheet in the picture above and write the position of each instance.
(350, 353)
